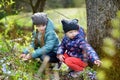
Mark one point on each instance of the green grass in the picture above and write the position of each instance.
(24, 19)
(58, 14)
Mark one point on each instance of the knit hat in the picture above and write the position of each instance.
(39, 18)
(70, 25)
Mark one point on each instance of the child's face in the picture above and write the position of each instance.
(71, 34)
(41, 28)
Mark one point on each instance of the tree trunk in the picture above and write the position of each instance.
(99, 16)
(38, 7)
(41, 7)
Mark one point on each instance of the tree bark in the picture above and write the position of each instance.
(41, 8)
(99, 16)
(38, 6)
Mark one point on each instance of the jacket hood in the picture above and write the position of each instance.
(50, 26)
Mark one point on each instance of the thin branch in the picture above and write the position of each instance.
(61, 14)
(31, 3)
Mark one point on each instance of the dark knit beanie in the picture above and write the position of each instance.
(70, 25)
(39, 18)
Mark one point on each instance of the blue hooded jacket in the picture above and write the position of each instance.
(75, 47)
(51, 42)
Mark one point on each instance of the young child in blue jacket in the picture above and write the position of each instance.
(73, 47)
(44, 41)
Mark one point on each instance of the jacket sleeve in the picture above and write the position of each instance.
(82, 32)
(49, 44)
(89, 50)
(61, 48)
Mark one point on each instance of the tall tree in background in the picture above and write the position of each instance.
(38, 6)
(99, 16)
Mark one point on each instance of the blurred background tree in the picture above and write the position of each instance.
(65, 3)
(6, 8)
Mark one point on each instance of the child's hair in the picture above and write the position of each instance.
(36, 40)
(39, 18)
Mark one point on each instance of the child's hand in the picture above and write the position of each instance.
(97, 62)
(22, 55)
(27, 57)
(60, 57)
